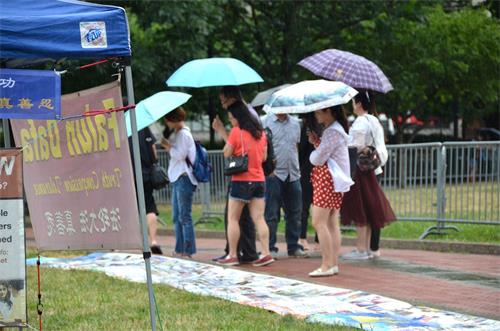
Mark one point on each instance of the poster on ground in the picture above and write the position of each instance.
(78, 175)
(12, 243)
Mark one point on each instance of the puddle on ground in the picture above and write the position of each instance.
(447, 274)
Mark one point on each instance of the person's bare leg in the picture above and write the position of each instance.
(257, 207)
(234, 209)
(152, 228)
(303, 242)
(320, 218)
(362, 237)
(368, 238)
(334, 228)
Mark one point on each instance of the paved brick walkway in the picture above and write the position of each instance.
(464, 283)
(459, 282)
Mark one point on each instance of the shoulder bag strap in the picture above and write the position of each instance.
(371, 131)
(242, 143)
(188, 161)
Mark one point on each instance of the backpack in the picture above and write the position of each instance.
(201, 167)
(270, 163)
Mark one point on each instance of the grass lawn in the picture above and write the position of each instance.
(86, 300)
(398, 230)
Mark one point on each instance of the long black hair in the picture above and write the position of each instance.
(246, 121)
(338, 113)
(367, 99)
(231, 91)
(310, 123)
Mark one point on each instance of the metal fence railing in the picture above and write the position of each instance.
(446, 183)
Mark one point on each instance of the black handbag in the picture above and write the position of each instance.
(158, 176)
(368, 159)
(237, 164)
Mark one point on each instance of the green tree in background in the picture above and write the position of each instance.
(442, 57)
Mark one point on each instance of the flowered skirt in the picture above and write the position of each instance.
(324, 195)
(366, 203)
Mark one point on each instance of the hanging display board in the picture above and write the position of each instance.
(12, 242)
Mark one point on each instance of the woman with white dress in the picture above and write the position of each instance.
(327, 188)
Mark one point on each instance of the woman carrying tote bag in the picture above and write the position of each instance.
(245, 144)
(365, 204)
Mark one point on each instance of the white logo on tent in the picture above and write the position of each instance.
(93, 35)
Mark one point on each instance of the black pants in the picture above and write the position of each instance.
(375, 236)
(307, 195)
(246, 245)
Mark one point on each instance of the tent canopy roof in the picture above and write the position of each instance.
(58, 29)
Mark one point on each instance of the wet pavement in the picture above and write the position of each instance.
(466, 283)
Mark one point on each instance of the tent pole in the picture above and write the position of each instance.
(146, 252)
(6, 134)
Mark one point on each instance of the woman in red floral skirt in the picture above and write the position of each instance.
(327, 195)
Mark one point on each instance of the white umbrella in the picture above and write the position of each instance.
(308, 96)
(262, 97)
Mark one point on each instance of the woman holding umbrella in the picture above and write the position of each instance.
(330, 158)
(327, 198)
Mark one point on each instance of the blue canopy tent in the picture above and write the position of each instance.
(31, 30)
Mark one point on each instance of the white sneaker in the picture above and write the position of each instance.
(374, 254)
(356, 255)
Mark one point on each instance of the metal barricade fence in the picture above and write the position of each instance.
(453, 182)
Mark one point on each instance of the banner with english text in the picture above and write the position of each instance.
(12, 242)
(78, 175)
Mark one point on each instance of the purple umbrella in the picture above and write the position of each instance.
(349, 68)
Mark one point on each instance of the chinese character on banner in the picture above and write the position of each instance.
(30, 94)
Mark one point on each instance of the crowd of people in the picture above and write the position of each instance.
(312, 162)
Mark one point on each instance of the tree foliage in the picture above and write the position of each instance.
(435, 53)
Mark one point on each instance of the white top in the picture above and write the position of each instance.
(367, 131)
(182, 146)
(333, 146)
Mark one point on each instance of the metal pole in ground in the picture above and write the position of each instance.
(146, 252)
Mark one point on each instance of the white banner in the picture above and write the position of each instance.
(12, 243)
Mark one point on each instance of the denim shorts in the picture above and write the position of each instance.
(246, 191)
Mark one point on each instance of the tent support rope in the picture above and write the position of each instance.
(39, 306)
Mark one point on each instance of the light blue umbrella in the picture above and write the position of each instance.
(155, 107)
(308, 96)
(215, 71)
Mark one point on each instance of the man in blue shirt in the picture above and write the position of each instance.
(283, 186)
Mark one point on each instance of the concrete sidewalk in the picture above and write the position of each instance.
(466, 283)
